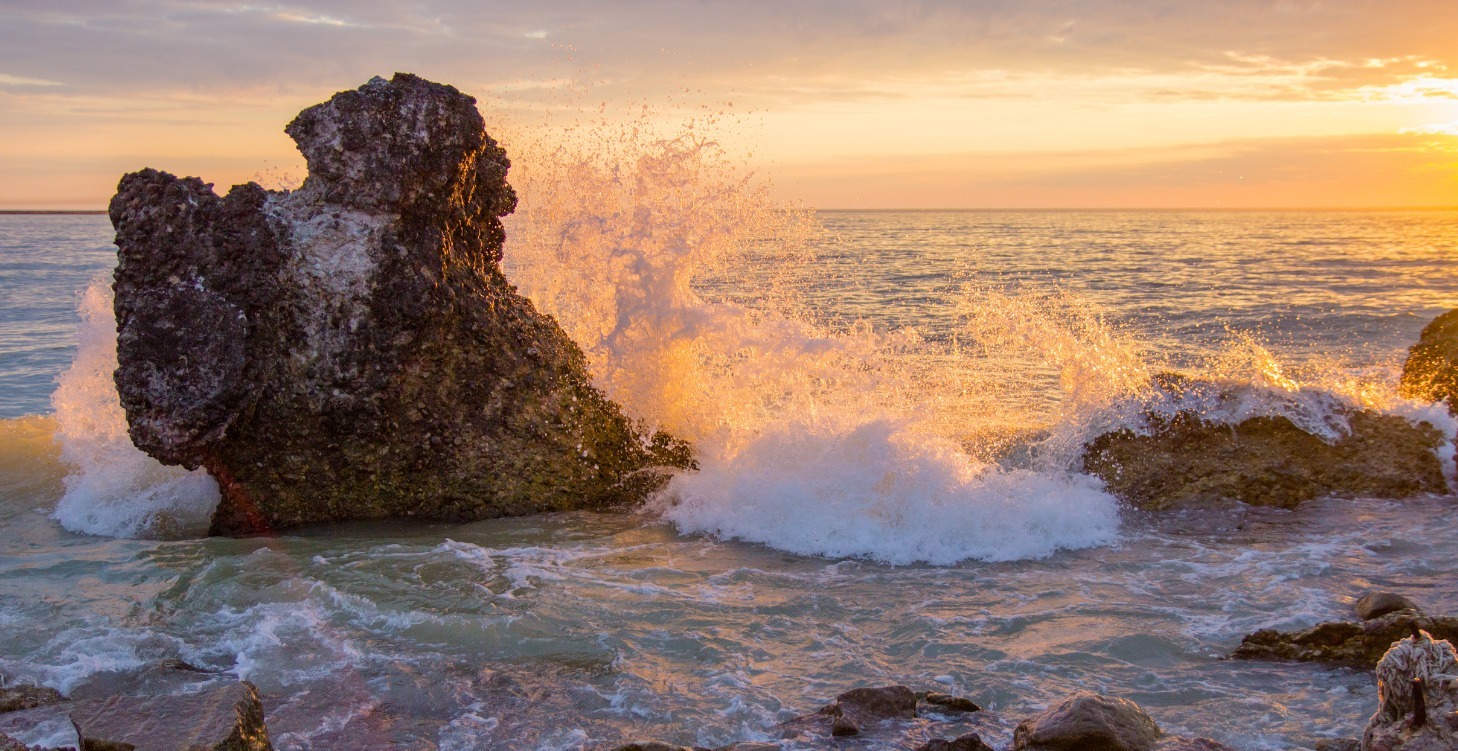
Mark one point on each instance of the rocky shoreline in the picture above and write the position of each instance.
(1417, 675)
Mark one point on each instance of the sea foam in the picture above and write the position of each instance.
(879, 490)
(114, 489)
(812, 436)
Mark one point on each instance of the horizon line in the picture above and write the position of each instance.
(948, 209)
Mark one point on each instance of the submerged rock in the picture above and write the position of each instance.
(229, 718)
(1183, 459)
(1351, 644)
(351, 349)
(1088, 722)
(1431, 370)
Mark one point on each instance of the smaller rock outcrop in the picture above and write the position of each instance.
(227, 718)
(1431, 370)
(854, 711)
(1181, 458)
(1417, 695)
(947, 703)
(1346, 643)
(1378, 604)
(1088, 722)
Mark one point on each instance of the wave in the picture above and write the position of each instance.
(693, 295)
(113, 488)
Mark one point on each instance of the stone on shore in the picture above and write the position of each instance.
(1350, 644)
(10, 744)
(1431, 370)
(968, 742)
(1182, 743)
(948, 703)
(855, 711)
(1180, 459)
(652, 745)
(1088, 722)
(16, 698)
(1378, 604)
(228, 718)
(351, 349)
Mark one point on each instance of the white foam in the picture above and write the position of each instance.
(883, 492)
(114, 489)
(611, 241)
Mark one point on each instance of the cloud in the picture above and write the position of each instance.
(140, 77)
(162, 44)
(9, 80)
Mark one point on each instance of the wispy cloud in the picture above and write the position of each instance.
(9, 80)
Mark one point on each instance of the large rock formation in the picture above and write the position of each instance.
(351, 349)
(1431, 370)
(1185, 459)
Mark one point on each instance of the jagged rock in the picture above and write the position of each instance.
(351, 349)
(1431, 370)
(15, 698)
(229, 718)
(1378, 604)
(1338, 744)
(1417, 695)
(968, 742)
(1088, 722)
(855, 711)
(1183, 460)
(1352, 644)
(949, 703)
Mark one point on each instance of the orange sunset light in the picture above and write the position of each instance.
(842, 105)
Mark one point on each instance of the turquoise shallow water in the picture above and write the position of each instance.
(569, 631)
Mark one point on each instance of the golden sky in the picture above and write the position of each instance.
(843, 103)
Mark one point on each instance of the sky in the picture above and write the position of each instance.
(839, 103)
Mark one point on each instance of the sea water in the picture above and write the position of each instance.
(887, 407)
